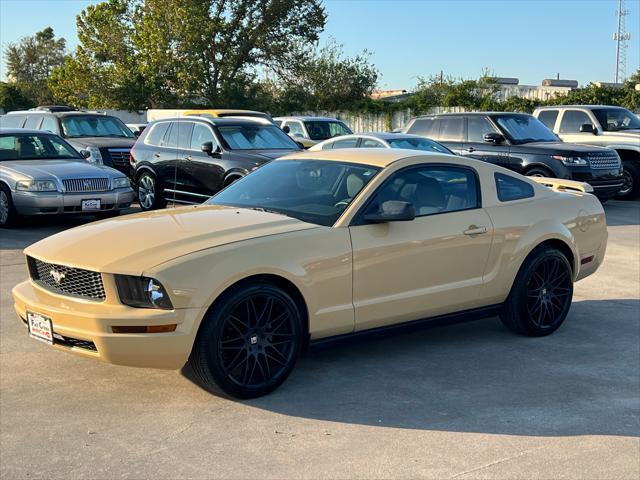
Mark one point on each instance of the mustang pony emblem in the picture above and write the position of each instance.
(57, 276)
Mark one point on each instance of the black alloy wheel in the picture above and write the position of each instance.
(249, 342)
(541, 294)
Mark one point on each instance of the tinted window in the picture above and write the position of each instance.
(511, 188)
(49, 124)
(572, 120)
(315, 191)
(451, 129)
(548, 117)
(431, 190)
(524, 128)
(346, 143)
(418, 143)
(179, 135)
(12, 121)
(370, 143)
(35, 147)
(615, 119)
(33, 121)
(322, 130)
(477, 127)
(201, 134)
(156, 134)
(425, 127)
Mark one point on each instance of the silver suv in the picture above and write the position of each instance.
(604, 126)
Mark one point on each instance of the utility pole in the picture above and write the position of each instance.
(621, 38)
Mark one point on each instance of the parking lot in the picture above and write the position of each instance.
(464, 401)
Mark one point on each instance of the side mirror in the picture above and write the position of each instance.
(85, 153)
(286, 129)
(207, 147)
(301, 145)
(588, 128)
(137, 133)
(493, 137)
(392, 211)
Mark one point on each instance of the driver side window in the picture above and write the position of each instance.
(431, 190)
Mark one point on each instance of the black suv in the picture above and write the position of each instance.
(522, 143)
(101, 139)
(188, 159)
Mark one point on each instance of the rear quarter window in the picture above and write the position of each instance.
(156, 134)
(12, 121)
(548, 117)
(510, 188)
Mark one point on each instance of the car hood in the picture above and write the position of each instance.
(556, 148)
(45, 169)
(101, 142)
(135, 243)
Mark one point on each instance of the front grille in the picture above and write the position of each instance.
(74, 342)
(86, 185)
(74, 282)
(604, 160)
(119, 156)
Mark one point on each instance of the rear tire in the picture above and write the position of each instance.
(541, 294)
(8, 213)
(248, 342)
(631, 188)
(149, 192)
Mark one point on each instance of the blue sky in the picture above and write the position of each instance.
(528, 39)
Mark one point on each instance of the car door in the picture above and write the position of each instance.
(451, 130)
(476, 147)
(570, 123)
(167, 156)
(202, 172)
(429, 266)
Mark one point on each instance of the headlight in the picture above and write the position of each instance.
(571, 161)
(95, 155)
(121, 182)
(36, 186)
(142, 292)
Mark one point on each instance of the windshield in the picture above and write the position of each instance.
(322, 129)
(256, 137)
(418, 144)
(75, 126)
(314, 191)
(524, 129)
(35, 147)
(616, 119)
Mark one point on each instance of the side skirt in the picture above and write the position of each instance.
(405, 327)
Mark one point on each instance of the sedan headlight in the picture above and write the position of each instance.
(94, 155)
(142, 292)
(571, 161)
(36, 186)
(121, 182)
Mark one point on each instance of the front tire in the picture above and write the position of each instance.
(149, 192)
(631, 187)
(249, 341)
(539, 172)
(541, 295)
(8, 213)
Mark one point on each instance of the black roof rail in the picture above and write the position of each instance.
(54, 108)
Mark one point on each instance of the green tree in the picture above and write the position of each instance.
(325, 79)
(153, 53)
(30, 62)
(12, 98)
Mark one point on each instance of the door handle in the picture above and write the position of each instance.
(471, 149)
(188, 157)
(157, 155)
(473, 230)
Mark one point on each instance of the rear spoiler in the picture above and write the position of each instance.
(562, 185)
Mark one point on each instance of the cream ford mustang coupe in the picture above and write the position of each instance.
(312, 246)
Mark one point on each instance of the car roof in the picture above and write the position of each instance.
(578, 106)
(59, 114)
(378, 157)
(381, 136)
(218, 121)
(309, 118)
(224, 111)
(24, 131)
(457, 114)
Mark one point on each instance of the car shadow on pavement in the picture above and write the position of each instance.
(621, 213)
(478, 377)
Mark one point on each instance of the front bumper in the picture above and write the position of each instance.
(605, 183)
(85, 328)
(43, 203)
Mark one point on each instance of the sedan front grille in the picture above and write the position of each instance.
(119, 156)
(604, 160)
(76, 185)
(73, 282)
